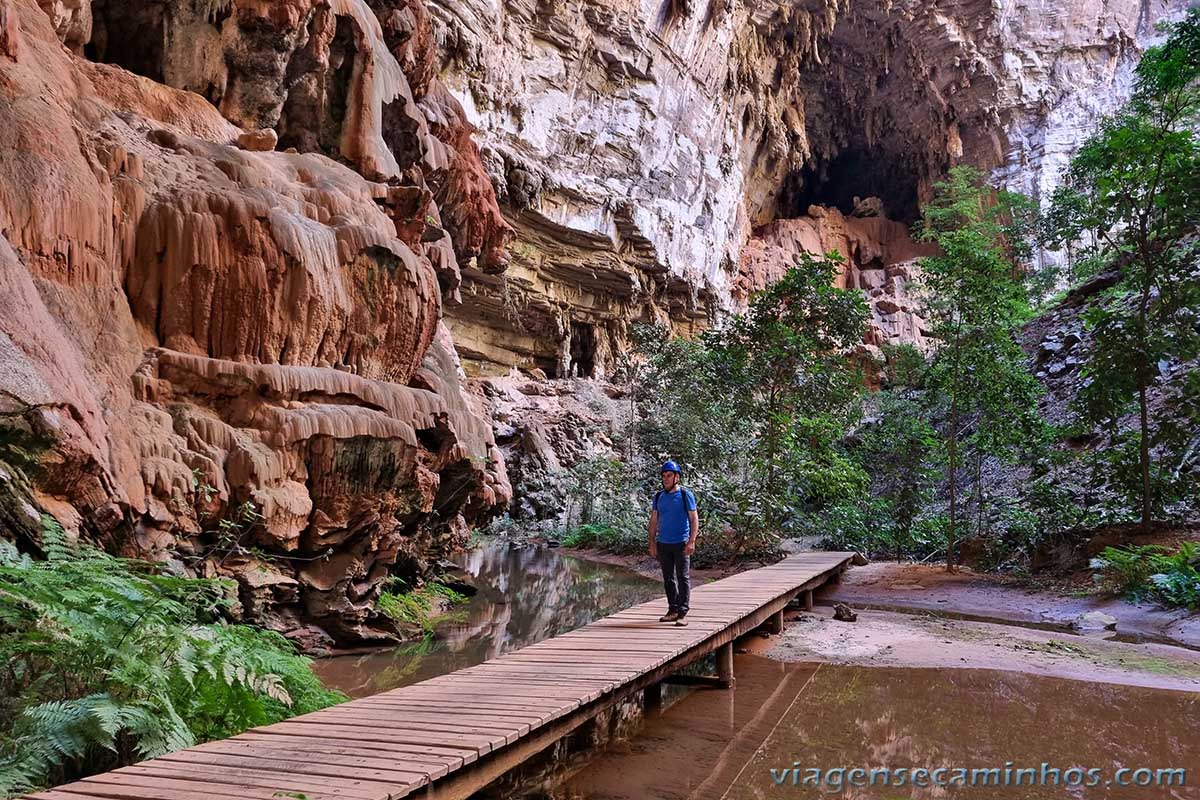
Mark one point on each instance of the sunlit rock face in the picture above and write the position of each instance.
(252, 249)
(638, 145)
(222, 357)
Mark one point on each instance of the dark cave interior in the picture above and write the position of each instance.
(855, 172)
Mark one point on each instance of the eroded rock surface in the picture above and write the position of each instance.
(252, 249)
(222, 357)
(638, 146)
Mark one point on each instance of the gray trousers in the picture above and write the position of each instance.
(676, 581)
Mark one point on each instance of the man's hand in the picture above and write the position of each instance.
(690, 547)
(653, 550)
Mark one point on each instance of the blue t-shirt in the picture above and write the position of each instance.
(674, 527)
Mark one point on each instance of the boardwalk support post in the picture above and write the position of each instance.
(652, 698)
(808, 600)
(775, 623)
(725, 665)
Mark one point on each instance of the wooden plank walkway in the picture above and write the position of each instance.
(452, 735)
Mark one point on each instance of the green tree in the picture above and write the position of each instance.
(1131, 199)
(787, 357)
(685, 409)
(976, 299)
(899, 450)
(755, 410)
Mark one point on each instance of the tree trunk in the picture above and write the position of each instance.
(953, 481)
(979, 494)
(1144, 454)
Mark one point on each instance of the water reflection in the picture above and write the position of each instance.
(525, 595)
(786, 715)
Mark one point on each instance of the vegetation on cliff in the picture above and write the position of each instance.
(1129, 204)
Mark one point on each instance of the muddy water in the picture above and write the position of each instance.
(724, 744)
(524, 595)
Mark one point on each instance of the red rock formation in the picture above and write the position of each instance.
(192, 332)
(461, 187)
(353, 79)
(879, 257)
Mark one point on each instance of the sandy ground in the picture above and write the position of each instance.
(890, 639)
(900, 586)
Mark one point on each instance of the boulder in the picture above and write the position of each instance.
(843, 613)
(262, 140)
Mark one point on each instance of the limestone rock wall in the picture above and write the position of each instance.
(227, 359)
(637, 145)
(252, 249)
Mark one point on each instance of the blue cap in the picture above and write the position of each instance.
(670, 466)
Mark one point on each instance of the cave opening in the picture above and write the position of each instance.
(583, 349)
(855, 172)
(129, 35)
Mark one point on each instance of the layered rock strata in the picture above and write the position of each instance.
(636, 146)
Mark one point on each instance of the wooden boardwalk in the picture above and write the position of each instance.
(450, 736)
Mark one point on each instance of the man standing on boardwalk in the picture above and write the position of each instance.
(674, 526)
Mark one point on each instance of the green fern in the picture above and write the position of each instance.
(108, 661)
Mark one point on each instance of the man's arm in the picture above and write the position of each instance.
(694, 520)
(653, 532)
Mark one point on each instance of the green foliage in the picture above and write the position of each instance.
(754, 412)
(904, 366)
(603, 488)
(900, 452)
(418, 607)
(1128, 201)
(977, 298)
(108, 661)
(685, 409)
(787, 372)
(1152, 572)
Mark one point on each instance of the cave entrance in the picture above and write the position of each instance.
(855, 172)
(583, 349)
(130, 35)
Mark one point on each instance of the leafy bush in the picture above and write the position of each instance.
(904, 365)
(870, 526)
(1152, 572)
(109, 661)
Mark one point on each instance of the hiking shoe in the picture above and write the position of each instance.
(670, 616)
(681, 621)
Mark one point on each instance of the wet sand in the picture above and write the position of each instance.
(988, 596)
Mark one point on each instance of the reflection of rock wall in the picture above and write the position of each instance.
(187, 326)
